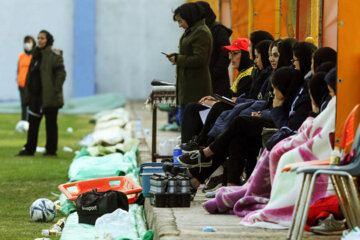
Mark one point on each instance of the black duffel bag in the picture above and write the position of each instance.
(91, 205)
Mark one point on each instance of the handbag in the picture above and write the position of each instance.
(94, 204)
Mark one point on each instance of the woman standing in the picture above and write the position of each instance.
(43, 94)
(193, 79)
(23, 66)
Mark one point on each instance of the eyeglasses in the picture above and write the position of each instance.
(232, 53)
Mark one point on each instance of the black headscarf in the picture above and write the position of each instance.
(245, 61)
(263, 49)
(285, 49)
(325, 67)
(210, 16)
(318, 88)
(190, 12)
(258, 36)
(303, 51)
(330, 79)
(287, 80)
(49, 38)
(324, 54)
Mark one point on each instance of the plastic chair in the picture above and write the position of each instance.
(347, 138)
(341, 177)
(309, 178)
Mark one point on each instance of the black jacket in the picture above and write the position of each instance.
(289, 121)
(219, 62)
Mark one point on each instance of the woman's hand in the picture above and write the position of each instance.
(207, 98)
(172, 58)
(256, 114)
(234, 99)
(278, 102)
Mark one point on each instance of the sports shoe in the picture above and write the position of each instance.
(191, 145)
(210, 195)
(195, 159)
(213, 183)
(329, 226)
(23, 153)
(172, 169)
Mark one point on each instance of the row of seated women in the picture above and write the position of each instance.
(291, 88)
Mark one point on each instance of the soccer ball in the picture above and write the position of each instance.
(22, 126)
(43, 210)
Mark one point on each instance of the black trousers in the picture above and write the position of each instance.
(51, 130)
(192, 124)
(241, 141)
(23, 108)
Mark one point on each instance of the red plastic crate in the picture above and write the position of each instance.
(123, 183)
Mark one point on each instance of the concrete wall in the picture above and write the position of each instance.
(21, 17)
(129, 36)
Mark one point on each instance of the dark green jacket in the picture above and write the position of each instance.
(193, 79)
(52, 73)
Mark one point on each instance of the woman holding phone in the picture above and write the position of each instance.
(193, 79)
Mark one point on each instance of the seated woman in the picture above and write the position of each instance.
(286, 82)
(281, 56)
(239, 56)
(311, 142)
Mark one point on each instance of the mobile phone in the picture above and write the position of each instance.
(165, 54)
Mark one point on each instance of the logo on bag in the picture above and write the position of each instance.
(91, 208)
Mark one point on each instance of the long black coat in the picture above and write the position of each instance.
(193, 79)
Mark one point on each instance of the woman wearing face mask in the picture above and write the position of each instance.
(23, 66)
(43, 94)
(193, 79)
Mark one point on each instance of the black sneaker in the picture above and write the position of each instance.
(23, 153)
(195, 159)
(190, 146)
(172, 169)
(213, 183)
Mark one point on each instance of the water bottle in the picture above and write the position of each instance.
(138, 128)
(177, 151)
(55, 229)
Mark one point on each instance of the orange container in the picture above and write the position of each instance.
(123, 184)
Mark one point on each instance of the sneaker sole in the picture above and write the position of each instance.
(209, 164)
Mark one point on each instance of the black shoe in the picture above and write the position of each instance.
(195, 159)
(47, 154)
(23, 153)
(173, 170)
(190, 146)
(213, 183)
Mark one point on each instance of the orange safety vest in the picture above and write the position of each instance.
(24, 63)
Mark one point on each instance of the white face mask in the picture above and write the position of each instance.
(28, 46)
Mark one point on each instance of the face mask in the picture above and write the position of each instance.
(28, 46)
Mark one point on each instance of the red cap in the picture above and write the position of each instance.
(237, 45)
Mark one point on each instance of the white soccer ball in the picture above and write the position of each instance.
(43, 210)
(22, 126)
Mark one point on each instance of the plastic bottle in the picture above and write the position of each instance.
(138, 128)
(49, 232)
(55, 229)
(177, 151)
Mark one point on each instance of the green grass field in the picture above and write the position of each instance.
(25, 179)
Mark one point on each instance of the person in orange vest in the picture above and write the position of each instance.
(22, 70)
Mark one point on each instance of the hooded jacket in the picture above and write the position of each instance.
(52, 77)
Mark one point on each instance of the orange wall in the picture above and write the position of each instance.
(348, 61)
(330, 24)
